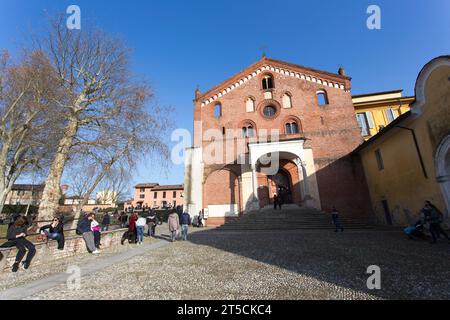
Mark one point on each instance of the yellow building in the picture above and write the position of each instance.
(408, 161)
(375, 111)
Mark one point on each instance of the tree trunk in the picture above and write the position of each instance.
(4, 191)
(49, 205)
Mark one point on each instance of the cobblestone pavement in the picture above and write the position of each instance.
(302, 264)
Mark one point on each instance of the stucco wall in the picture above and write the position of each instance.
(402, 182)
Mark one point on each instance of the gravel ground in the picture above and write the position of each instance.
(10, 280)
(301, 264)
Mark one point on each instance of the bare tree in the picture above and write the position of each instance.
(103, 106)
(26, 144)
(114, 186)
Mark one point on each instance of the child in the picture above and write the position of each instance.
(95, 227)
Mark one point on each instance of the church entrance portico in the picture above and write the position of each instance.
(280, 184)
(284, 168)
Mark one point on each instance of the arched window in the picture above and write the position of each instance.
(250, 104)
(322, 98)
(287, 101)
(292, 127)
(217, 110)
(248, 131)
(267, 82)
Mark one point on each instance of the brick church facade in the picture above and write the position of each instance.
(275, 128)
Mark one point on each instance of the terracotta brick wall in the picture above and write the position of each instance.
(331, 132)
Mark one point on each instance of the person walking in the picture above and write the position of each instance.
(152, 221)
(276, 201)
(174, 225)
(16, 237)
(140, 226)
(336, 220)
(434, 217)
(84, 229)
(106, 222)
(200, 219)
(185, 222)
(54, 231)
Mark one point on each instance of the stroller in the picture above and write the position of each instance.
(416, 231)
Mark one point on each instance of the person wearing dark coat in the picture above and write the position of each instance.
(123, 219)
(277, 201)
(84, 228)
(185, 221)
(106, 222)
(433, 216)
(152, 221)
(55, 231)
(16, 236)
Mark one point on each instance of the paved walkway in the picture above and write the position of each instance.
(302, 264)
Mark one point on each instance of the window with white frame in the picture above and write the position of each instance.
(250, 105)
(365, 122)
(390, 114)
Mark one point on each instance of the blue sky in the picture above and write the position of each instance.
(178, 45)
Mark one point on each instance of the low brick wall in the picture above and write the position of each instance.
(48, 251)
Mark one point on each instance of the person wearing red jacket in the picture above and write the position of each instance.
(132, 227)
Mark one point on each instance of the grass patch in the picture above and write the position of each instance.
(3, 229)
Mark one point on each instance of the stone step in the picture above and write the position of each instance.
(291, 217)
(319, 227)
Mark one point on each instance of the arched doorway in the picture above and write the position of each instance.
(282, 178)
(281, 184)
(443, 169)
(221, 195)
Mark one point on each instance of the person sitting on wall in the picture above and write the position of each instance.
(84, 229)
(54, 231)
(16, 236)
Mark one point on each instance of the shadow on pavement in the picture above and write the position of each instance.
(409, 269)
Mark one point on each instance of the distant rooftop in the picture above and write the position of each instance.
(28, 187)
(146, 185)
(156, 186)
(169, 187)
(379, 96)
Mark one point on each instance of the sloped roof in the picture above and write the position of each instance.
(169, 187)
(337, 79)
(28, 187)
(146, 185)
